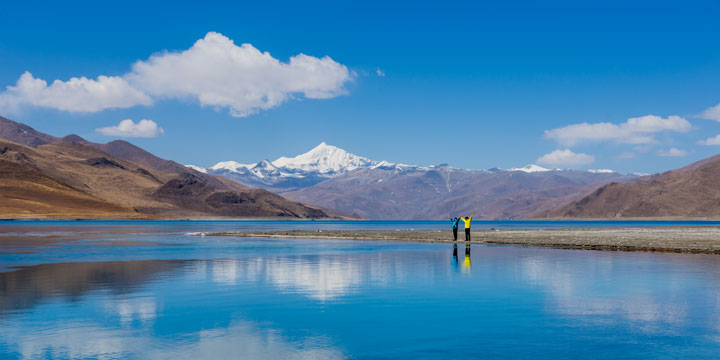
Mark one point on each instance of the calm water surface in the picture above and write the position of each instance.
(154, 290)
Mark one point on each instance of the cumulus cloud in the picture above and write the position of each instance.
(712, 113)
(127, 128)
(565, 157)
(637, 130)
(711, 141)
(218, 73)
(75, 95)
(214, 72)
(379, 72)
(672, 152)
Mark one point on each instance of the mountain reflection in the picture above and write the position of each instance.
(25, 287)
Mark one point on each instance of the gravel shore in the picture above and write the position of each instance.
(698, 240)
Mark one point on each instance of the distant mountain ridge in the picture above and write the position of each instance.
(319, 164)
(333, 178)
(436, 192)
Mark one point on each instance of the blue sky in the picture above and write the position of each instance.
(465, 83)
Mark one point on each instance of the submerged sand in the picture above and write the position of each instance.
(699, 240)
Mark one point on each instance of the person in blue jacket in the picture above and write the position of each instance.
(454, 222)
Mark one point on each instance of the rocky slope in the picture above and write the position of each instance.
(689, 192)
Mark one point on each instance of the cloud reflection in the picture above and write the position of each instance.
(596, 293)
(143, 310)
(320, 278)
(76, 339)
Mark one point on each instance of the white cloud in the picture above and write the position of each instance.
(711, 141)
(379, 72)
(712, 113)
(218, 73)
(214, 71)
(75, 95)
(565, 157)
(127, 128)
(673, 152)
(637, 130)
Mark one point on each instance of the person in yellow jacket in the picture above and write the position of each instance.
(467, 221)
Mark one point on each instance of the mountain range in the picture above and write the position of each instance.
(336, 179)
(43, 176)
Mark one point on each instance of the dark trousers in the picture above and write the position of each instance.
(467, 234)
(455, 233)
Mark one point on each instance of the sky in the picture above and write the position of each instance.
(629, 86)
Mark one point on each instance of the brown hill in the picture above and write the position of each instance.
(72, 178)
(689, 192)
(28, 190)
(25, 135)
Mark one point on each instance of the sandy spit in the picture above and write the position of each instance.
(697, 240)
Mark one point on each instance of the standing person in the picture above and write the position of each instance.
(467, 221)
(454, 222)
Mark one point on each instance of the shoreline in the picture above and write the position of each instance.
(679, 239)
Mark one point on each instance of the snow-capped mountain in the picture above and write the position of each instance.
(230, 166)
(325, 159)
(601, 171)
(197, 168)
(532, 168)
(287, 173)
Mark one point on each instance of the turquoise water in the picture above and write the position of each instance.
(152, 290)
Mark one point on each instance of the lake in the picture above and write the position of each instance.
(146, 290)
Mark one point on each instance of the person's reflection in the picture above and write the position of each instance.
(454, 256)
(467, 265)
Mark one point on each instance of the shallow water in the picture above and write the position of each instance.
(118, 290)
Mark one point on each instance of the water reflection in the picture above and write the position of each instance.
(27, 286)
(240, 339)
(455, 255)
(636, 298)
(320, 278)
(372, 302)
(130, 311)
(467, 264)
(104, 310)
